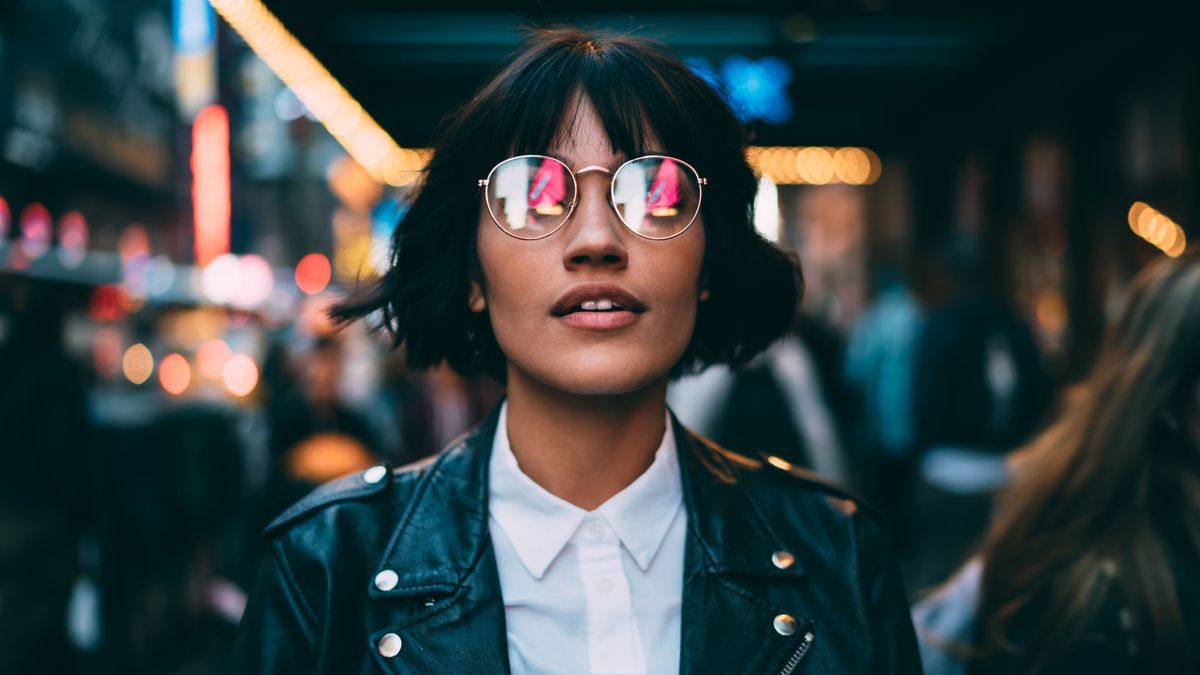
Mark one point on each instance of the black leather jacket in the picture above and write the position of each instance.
(764, 540)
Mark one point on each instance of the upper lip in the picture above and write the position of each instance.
(576, 295)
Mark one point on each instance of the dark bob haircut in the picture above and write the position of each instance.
(648, 102)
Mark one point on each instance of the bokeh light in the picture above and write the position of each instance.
(106, 352)
(5, 221)
(1157, 229)
(255, 281)
(174, 374)
(36, 230)
(72, 238)
(134, 243)
(240, 375)
(221, 278)
(806, 165)
(138, 363)
(313, 273)
(211, 357)
(106, 303)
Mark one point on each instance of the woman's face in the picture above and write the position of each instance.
(593, 256)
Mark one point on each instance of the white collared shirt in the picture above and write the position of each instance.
(589, 591)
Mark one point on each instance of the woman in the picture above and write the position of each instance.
(559, 244)
(1091, 565)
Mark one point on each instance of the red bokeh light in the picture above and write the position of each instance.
(107, 303)
(174, 374)
(313, 273)
(211, 357)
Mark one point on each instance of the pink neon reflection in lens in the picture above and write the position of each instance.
(549, 186)
(664, 191)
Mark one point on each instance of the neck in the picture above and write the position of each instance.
(584, 448)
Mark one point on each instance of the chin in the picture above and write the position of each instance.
(598, 373)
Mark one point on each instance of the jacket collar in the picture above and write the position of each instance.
(441, 547)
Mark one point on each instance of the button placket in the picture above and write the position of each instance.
(613, 641)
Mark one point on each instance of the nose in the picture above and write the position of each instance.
(594, 235)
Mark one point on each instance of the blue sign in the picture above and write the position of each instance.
(756, 90)
(193, 25)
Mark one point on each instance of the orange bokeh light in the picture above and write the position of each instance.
(240, 375)
(313, 273)
(138, 363)
(211, 357)
(174, 374)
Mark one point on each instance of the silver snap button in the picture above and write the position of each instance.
(374, 474)
(782, 559)
(386, 580)
(785, 625)
(389, 645)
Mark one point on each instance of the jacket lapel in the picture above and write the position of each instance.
(446, 605)
(730, 601)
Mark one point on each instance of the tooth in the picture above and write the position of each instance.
(588, 305)
(604, 304)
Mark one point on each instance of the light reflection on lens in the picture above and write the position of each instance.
(530, 196)
(657, 197)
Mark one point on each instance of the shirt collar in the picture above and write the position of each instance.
(540, 524)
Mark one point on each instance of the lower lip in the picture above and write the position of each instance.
(600, 320)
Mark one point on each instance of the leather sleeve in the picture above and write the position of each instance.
(276, 634)
(894, 638)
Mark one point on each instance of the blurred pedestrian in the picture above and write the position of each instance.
(1093, 562)
(879, 366)
(979, 391)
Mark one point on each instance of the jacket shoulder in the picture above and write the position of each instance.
(772, 473)
(832, 493)
(363, 486)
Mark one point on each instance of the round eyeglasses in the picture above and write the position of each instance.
(532, 196)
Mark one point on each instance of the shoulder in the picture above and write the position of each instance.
(376, 488)
(786, 492)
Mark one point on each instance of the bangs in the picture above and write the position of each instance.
(535, 107)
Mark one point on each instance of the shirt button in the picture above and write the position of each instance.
(374, 474)
(389, 645)
(386, 580)
(785, 625)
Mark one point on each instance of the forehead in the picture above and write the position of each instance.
(581, 139)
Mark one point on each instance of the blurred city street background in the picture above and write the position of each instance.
(185, 187)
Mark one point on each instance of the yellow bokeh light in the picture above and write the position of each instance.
(815, 165)
(1157, 229)
(851, 165)
(1135, 213)
(138, 363)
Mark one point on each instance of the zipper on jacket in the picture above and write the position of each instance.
(794, 662)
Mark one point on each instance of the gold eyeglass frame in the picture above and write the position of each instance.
(612, 199)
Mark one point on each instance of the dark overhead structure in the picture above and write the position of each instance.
(871, 72)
